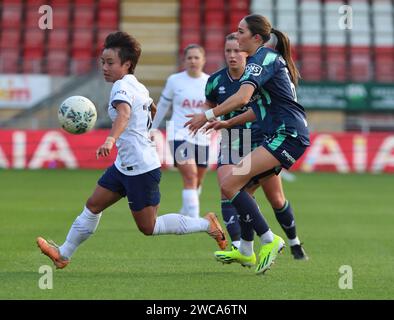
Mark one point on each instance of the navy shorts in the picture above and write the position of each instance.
(182, 150)
(285, 148)
(233, 156)
(141, 190)
(233, 147)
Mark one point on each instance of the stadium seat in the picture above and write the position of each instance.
(188, 37)
(34, 38)
(12, 2)
(108, 4)
(10, 38)
(190, 4)
(215, 61)
(235, 18)
(9, 60)
(58, 39)
(311, 63)
(107, 19)
(83, 17)
(32, 60)
(336, 63)
(214, 40)
(217, 5)
(242, 5)
(360, 64)
(61, 17)
(11, 16)
(81, 63)
(85, 2)
(82, 40)
(214, 20)
(190, 20)
(384, 64)
(57, 62)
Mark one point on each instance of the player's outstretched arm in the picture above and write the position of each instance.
(118, 126)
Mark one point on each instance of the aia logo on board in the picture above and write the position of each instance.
(192, 103)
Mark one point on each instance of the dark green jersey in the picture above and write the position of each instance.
(221, 86)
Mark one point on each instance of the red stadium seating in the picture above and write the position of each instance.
(108, 4)
(61, 17)
(12, 2)
(81, 62)
(82, 41)
(214, 20)
(242, 5)
(34, 39)
(188, 37)
(190, 4)
(215, 61)
(83, 17)
(360, 64)
(107, 19)
(11, 16)
(191, 20)
(217, 4)
(214, 40)
(311, 63)
(57, 62)
(10, 38)
(336, 63)
(32, 60)
(235, 18)
(384, 64)
(90, 3)
(9, 60)
(58, 39)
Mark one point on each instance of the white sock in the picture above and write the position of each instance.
(199, 190)
(191, 203)
(293, 242)
(84, 226)
(267, 237)
(174, 223)
(236, 243)
(246, 247)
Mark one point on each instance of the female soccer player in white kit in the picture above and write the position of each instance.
(136, 170)
(185, 92)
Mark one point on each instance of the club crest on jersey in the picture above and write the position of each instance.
(222, 90)
(253, 69)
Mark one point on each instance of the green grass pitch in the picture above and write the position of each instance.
(342, 220)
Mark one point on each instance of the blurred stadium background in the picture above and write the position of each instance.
(344, 50)
(347, 88)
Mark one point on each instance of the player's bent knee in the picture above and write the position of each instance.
(277, 202)
(93, 206)
(147, 230)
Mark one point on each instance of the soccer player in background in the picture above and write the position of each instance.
(269, 86)
(221, 85)
(184, 91)
(136, 170)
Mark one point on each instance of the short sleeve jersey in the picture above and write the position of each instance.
(136, 152)
(221, 86)
(187, 97)
(274, 100)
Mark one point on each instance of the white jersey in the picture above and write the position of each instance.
(187, 96)
(136, 152)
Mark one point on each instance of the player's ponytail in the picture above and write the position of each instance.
(284, 48)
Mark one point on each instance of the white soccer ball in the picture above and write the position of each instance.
(77, 114)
